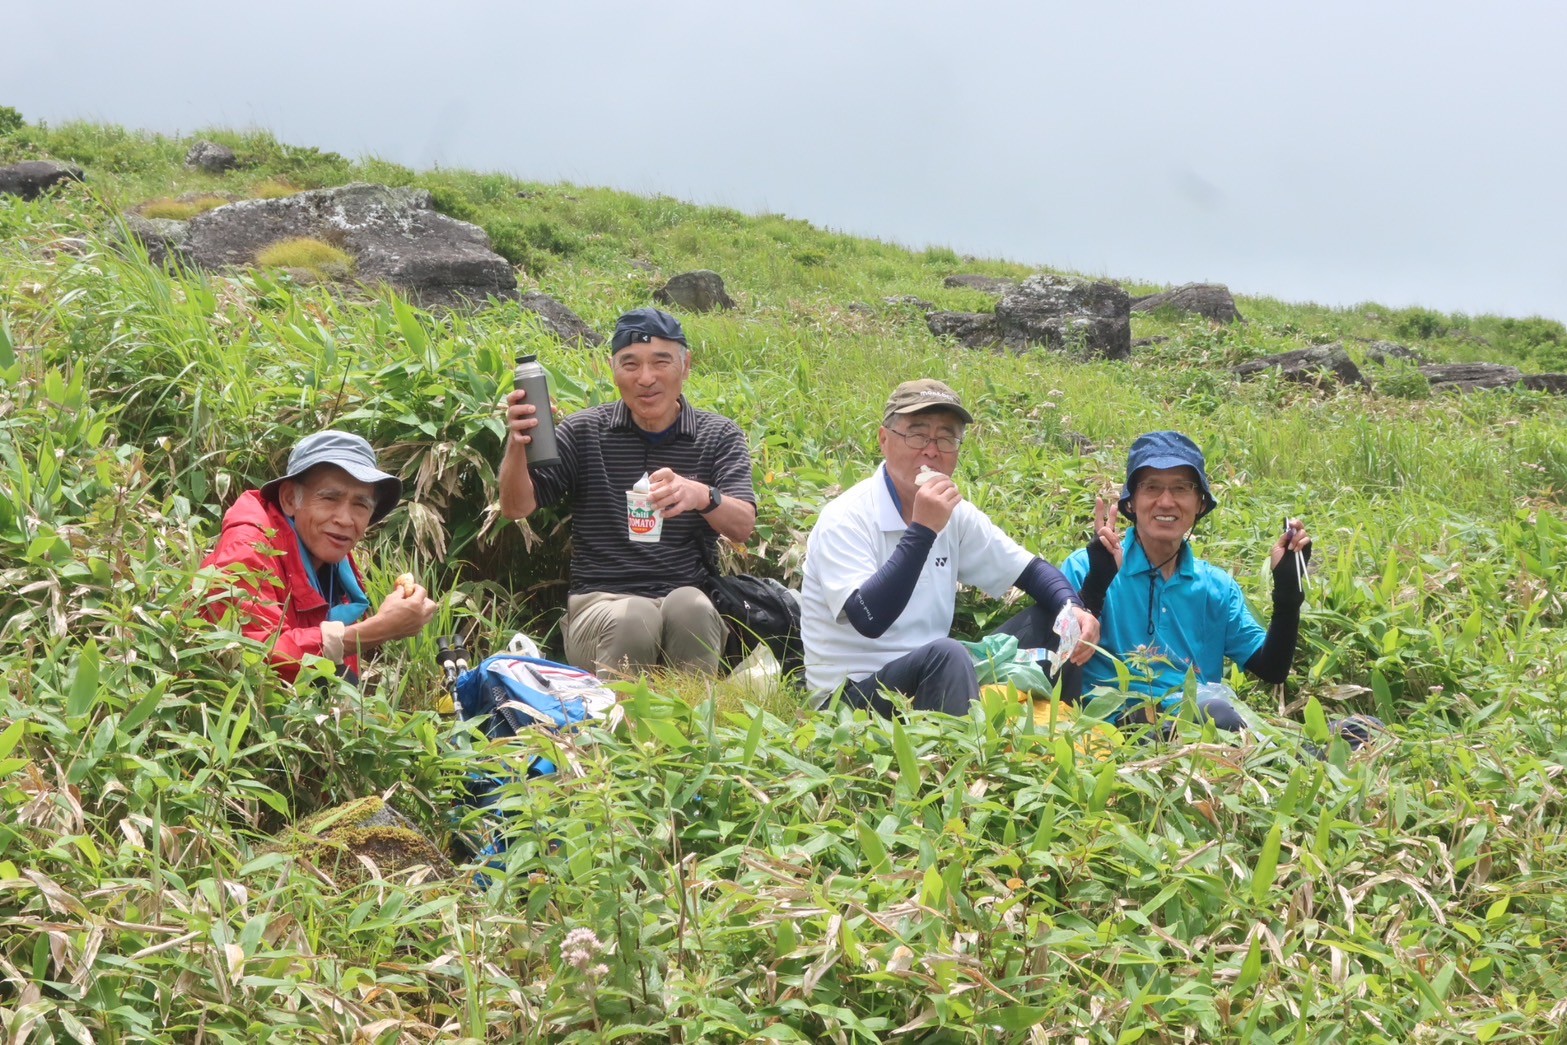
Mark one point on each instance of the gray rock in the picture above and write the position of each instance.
(1471, 377)
(973, 281)
(1063, 312)
(1149, 342)
(1078, 441)
(396, 236)
(162, 238)
(72, 245)
(1384, 352)
(1553, 383)
(908, 301)
(1309, 365)
(699, 291)
(1210, 300)
(560, 320)
(32, 178)
(211, 157)
(971, 329)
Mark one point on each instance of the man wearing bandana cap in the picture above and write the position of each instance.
(633, 605)
(288, 551)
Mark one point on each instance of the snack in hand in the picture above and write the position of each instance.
(925, 475)
(405, 584)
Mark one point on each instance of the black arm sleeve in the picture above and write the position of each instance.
(1271, 663)
(1101, 571)
(1048, 586)
(874, 605)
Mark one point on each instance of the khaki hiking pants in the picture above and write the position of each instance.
(611, 634)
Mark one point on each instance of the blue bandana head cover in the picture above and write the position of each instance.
(342, 582)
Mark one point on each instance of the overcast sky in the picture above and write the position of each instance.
(1406, 153)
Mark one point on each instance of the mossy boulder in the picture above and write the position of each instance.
(336, 839)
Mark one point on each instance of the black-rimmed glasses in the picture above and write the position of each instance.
(947, 444)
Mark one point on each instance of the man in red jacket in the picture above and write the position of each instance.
(287, 548)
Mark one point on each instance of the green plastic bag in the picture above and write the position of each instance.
(998, 660)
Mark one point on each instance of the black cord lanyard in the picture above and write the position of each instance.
(1157, 573)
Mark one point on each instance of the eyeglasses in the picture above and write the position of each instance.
(1156, 489)
(947, 444)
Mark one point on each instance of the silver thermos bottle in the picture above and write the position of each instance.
(531, 378)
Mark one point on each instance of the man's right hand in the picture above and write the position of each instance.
(520, 419)
(404, 613)
(935, 501)
(1106, 535)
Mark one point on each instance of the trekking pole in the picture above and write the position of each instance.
(453, 659)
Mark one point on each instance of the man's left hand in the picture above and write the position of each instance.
(673, 493)
(1294, 539)
(1089, 638)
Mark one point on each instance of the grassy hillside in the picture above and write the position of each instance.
(750, 870)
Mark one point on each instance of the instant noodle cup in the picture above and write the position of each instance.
(644, 523)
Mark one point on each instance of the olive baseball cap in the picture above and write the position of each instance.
(927, 393)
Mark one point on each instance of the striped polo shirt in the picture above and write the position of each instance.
(602, 454)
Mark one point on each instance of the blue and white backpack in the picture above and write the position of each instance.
(513, 691)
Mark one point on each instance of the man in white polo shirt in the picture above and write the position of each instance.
(884, 561)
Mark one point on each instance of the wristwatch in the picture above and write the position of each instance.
(715, 499)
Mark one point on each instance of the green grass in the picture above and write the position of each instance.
(751, 867)
(317, 257)
(180, 210)
(273, 189)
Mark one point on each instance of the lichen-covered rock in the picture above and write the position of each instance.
(1471, 377)
(211, 157)
(698, 291)
(32, 178)
(974, 281)
(560, 320)
(161, 237)
(396, 236)
(335, 839)
(1556, 384)
(1384, 352)
(1209, 300)
(970, 329)
(1063, 312)
(1315, 365)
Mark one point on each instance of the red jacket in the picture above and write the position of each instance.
(284, 608)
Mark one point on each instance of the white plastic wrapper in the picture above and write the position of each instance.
(925, 475)
(1070, 631)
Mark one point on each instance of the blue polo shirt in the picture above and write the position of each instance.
(1162, 627)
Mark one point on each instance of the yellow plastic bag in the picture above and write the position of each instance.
(1051, 716)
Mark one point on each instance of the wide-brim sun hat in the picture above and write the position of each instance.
(353, 455)
(1166, 450)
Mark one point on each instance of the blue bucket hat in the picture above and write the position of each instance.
(350, 453)
(1165, 450)
(644, 324)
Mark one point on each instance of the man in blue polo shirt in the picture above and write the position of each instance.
(1164, 610)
